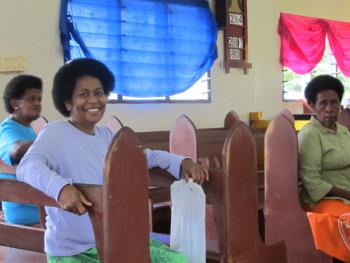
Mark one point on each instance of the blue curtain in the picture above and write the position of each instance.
(154, 47)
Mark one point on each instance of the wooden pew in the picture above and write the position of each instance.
(155, 140)
(284, 217)
(200, 145)
(114, 124)
(240, 199)
(256, 120)
(209, 140)
(157, 193)
(183, 139)
(206, 145)
(232, 193)
(159, 140)
(121, 230)
(7, 169)
(12, 255)
(38, 124)
(344, 118)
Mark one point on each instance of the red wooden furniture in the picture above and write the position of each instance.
(7, 169)
(208, 144)
(232, 195)
(201, 145)
(239, 195)
(121, 230)
(14, 255)
(114, 124)
(344, 118)
(284, 217)
(38, 124)
(182, 138)
(205, 145)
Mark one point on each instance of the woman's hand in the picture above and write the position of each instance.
(195, 171)
(72, 200)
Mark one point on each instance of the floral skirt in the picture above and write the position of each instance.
(159, 252)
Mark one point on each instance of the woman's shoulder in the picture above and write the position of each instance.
(310, 127)
(342, 129)
(6, 123)
(11, 125)
(55, 128)
(104, 132)
(58, 124)
(308, 133)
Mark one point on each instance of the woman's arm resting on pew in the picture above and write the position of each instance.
(176, 165)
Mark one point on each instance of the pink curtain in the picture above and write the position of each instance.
(303, 42)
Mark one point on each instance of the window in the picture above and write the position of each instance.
(199, 92)
(294, 84)
(157, 50)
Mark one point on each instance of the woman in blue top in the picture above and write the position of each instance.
(73, 151)
(22, 99)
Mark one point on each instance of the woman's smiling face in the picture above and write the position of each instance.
(88, 103)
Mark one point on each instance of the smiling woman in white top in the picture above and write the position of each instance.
(73, 151)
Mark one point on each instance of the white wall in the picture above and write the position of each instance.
(30, 28)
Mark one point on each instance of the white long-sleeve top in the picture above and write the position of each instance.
(62, 154)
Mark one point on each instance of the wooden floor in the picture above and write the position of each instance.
(14, 255)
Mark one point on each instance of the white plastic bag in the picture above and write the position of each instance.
(187, 234)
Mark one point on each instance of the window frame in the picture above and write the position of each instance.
(335, 73)
(167, 99)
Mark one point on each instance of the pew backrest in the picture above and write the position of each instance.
(114, 124)
(344, 118)
(182, 138)
(237, 220)
(126, 227)
(38, 124)
(284, 217)
(230, 119)
(232, 194)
